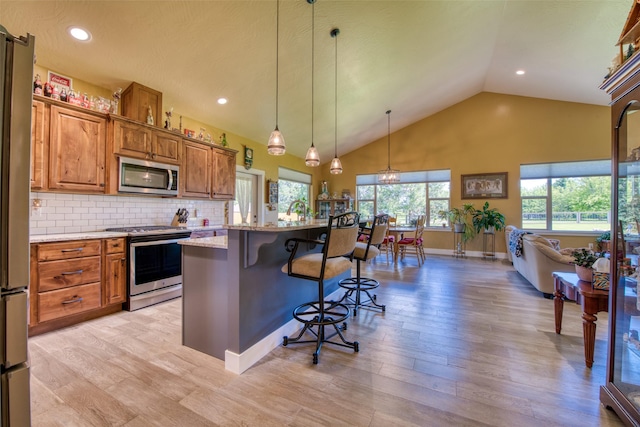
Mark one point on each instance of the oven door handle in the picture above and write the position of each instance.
(156, 242)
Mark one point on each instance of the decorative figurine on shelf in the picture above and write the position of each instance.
(167, 123)
(223, 140)
(180, 124)
(149, 116)
(324, 193)
(116, 100)
(37, 85)
(201, 134)
(207, 138)
(63, 95)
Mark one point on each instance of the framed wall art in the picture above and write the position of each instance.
(272, 187)
(485, 186)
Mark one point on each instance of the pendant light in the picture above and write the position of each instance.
(389, 176)
(276, 145)
(336, 165)
(312, 158)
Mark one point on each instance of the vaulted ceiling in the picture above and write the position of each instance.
(414, 57)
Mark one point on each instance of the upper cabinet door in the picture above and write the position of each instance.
(165, 147)
(224, 174)
(130, 139)
(196, 170)
(39, 123)
(77, 151)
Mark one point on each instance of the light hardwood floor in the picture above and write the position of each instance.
(463, 342)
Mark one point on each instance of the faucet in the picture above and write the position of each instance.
(304, 209)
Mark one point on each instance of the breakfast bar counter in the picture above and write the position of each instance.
(237, 303)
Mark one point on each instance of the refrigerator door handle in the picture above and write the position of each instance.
(16, 125)
(16, 407)
(13, 343)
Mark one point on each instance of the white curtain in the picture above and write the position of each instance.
(243, 197)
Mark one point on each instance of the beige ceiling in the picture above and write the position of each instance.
(413, 57)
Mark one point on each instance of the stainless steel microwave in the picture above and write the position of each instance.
(142, 176)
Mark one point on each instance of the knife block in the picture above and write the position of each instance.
(175, 223)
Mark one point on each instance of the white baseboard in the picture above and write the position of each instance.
(470, 254)
(238, 363)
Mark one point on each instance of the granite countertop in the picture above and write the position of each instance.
(219, 242)
(43, 238)
(279, 226)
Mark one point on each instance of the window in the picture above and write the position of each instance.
(571, 196)
(293, 185)
(418, 193)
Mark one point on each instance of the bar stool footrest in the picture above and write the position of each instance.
(312, 315)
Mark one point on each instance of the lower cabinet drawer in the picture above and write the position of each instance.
(65, 273)
(64, 302)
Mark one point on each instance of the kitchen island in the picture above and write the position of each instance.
(236, 301)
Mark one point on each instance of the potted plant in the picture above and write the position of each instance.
(488, 220)
(460, 220)
(583, 260)
(604, 241)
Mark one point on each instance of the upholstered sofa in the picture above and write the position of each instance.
(536, 257)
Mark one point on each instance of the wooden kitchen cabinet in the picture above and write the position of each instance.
(196, 170)
(67, 279)
(165, 147)
(39, 144)
(115, 271)
(70, 282)
(77, 147)
(224, 174)
(131, 139)
(136, 100)
(144, 142)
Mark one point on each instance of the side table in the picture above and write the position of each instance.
(489, 245)
(568, 285)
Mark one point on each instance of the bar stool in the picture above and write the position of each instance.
(365, 251)
(335, 259)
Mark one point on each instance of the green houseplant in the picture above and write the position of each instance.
(488, 219)
(604, 241)
(460, 220)
(584, 259)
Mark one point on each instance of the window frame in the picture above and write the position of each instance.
(558, 170)
(417, 177)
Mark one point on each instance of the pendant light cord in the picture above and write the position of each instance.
(335, 33)
(277, 55)
(313, 44)
(389, 139)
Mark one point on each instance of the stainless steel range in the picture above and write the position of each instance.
(155, 264)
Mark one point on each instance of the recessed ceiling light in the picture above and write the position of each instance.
(520, 72)
(222, 101)
(79, 34)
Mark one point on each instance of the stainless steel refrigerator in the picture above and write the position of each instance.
(16, 87)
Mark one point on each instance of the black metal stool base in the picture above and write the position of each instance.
(321, 314)
(359, 286)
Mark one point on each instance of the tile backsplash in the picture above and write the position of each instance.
(54, 213)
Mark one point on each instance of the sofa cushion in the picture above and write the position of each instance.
(546, 248)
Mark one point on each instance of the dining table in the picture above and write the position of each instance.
(398, 234)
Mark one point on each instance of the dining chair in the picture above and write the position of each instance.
(387, 244)
(412, 243)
